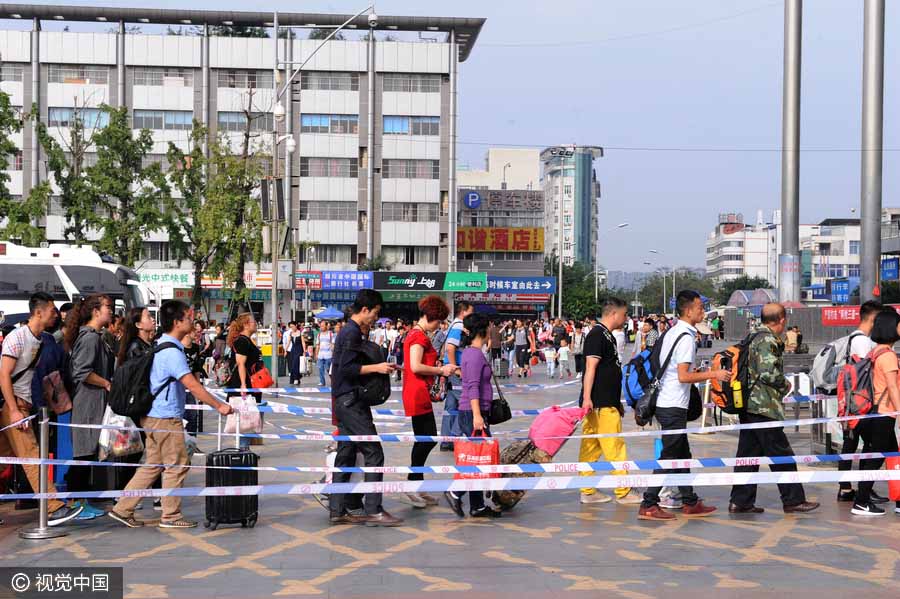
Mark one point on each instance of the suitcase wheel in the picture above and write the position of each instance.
(206, 524)
(251, 522)
(213, 525)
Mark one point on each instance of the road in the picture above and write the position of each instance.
(549, 544)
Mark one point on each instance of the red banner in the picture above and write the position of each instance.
(840, 316)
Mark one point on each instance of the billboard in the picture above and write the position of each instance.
(500, 239)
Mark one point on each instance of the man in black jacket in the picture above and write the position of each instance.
(354, 417)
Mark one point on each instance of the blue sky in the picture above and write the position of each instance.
(675, 79)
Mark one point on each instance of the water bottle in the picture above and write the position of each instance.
(738, 395)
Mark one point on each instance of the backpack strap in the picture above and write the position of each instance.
(853, 336)
(31, 366)
(170, 380)
(665, 364)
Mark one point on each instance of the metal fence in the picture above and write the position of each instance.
(808, 319)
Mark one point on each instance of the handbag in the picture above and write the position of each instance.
(55, 394)
(246, 417)
(260, 378)
(484, 452)
(500, 411)
(893, 485)
(118, 442)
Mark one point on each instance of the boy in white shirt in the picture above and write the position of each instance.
(550, 357)
(563, 354)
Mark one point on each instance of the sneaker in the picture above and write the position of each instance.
(383, 519)
(455, 503)
(631, 498)
(589, 498)
(698, 510)
(157, 504)
(867, 510)
(178, 524)
(846, 495)
(485, 512)
(430, 500)
(897, 508)
(414, 500)
(64, 514)
(130, 522)
(654, 512)
(876, 498)
(671, 502)
(89, 512)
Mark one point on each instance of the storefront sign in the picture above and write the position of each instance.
(261, 279)
(175, 278)
(845, 316)
(403, 296)
(328, 297)
(308, 279)
(431, 282)
(500, 239)
(256, 295)
(504, 199)
(346, 279)
(518, 284)
(890, 269)
(504, 298)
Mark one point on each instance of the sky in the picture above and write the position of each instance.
(684, 96)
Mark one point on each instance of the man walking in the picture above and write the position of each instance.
(353, 416)
(673, 401)
(170, 374)
(452, 356)
(765, 366)
(21, 351)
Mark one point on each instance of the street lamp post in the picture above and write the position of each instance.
(505, 166)
(597, 259)
(309, 250)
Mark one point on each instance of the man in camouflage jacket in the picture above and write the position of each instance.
(768, 387)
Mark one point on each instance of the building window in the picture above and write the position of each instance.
(245, 79)
(163, 120)
(335, 254)
(151, 159)
(329, 81)
(237, 121)
(835, 271)
(164, 77)
(345, 211)
(853, 269)
(155, 250)
(411, 255)
(407, 212)
(15, 161)
(92, 118)
(567, 190)
(854, 248)
(92, 75)
(411, 169)
(330, 123)
(11, 72)
(329, 167)
(408, 82)
(412, 125)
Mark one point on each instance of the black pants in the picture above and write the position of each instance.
(423, 424)
(79, 478)
(522, 356)
(579, 363)
(764, 442)
(355, 418)
(495, 353)
(674, 447)
(878, 436)
(851, 444)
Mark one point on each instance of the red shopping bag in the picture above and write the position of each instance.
(476, 453)
(893, 485)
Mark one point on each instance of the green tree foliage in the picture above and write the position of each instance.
(651, 294)
(726, 288)
(320, 34)
(130, 195)
(890, 292)
(65, 162)
(238, 31)
(17, 217)
(376, 263)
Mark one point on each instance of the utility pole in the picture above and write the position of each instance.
(562, 172)
(789, 260)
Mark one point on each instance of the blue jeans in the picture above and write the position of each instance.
(324, 365)
(466, 424)
(450, 422)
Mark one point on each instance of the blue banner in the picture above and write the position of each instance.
(890, 269)
(842, 288)
(346, 279)
(328, 297)
(521, 284)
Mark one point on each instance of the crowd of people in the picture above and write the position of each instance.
(439, 359)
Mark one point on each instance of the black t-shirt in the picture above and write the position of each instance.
(607, 389)
(245, 347)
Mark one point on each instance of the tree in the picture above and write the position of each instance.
(890, 292)
(17, 217)
(238, 31)
(66, 162)
(320, 34)
(192, 30)
(726, 288)
(651, 294)
(130, 195)
(376, 263)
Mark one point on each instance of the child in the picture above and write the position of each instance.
(550, 358)
(564, 353)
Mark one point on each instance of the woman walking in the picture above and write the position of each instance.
(92, 363)
(245, 355)
(324, 351)
(474, 406)
(420, 361)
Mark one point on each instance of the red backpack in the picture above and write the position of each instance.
(855, 389)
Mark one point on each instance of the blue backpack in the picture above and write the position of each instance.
(640, 373)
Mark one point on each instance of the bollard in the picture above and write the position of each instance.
(43, 531)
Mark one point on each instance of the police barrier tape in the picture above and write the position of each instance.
(295, 390)
(608, 481)
(18, 422)
(548, 468)
(396, 438)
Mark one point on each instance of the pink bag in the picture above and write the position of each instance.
(554, 422)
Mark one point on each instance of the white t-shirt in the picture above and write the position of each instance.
(861, 344)
(619, 336)
(286, 340)
(564, 354)
(391, 335)
(378, 336)
(672, 393)
(22, 345)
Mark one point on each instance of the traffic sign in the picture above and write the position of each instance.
(472, 200)
(522, 284)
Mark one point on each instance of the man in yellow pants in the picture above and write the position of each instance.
(601, 393)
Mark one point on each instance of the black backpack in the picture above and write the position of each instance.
(130, 393)
(375, 389)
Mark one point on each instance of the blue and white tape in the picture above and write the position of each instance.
(296, 390)
(553, 483)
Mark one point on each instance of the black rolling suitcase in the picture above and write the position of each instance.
(501, 368)
(233, 509)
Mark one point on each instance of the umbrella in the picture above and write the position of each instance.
(330, 313)
(381, 321)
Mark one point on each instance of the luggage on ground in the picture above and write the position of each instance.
(501, 368)
(234, 509)
(550, 427)
(518, 452)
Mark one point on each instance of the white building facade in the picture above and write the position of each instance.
(569, 171)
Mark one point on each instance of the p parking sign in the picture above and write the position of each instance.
(472, 200)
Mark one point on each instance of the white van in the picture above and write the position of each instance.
(66, 272)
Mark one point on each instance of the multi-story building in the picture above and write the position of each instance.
(735, 249)
(833, 250)
(374, 171)
(569, 171)
(504, 168)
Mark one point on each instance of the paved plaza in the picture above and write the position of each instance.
(548, 544)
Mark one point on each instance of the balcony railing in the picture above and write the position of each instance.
(890, 231)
